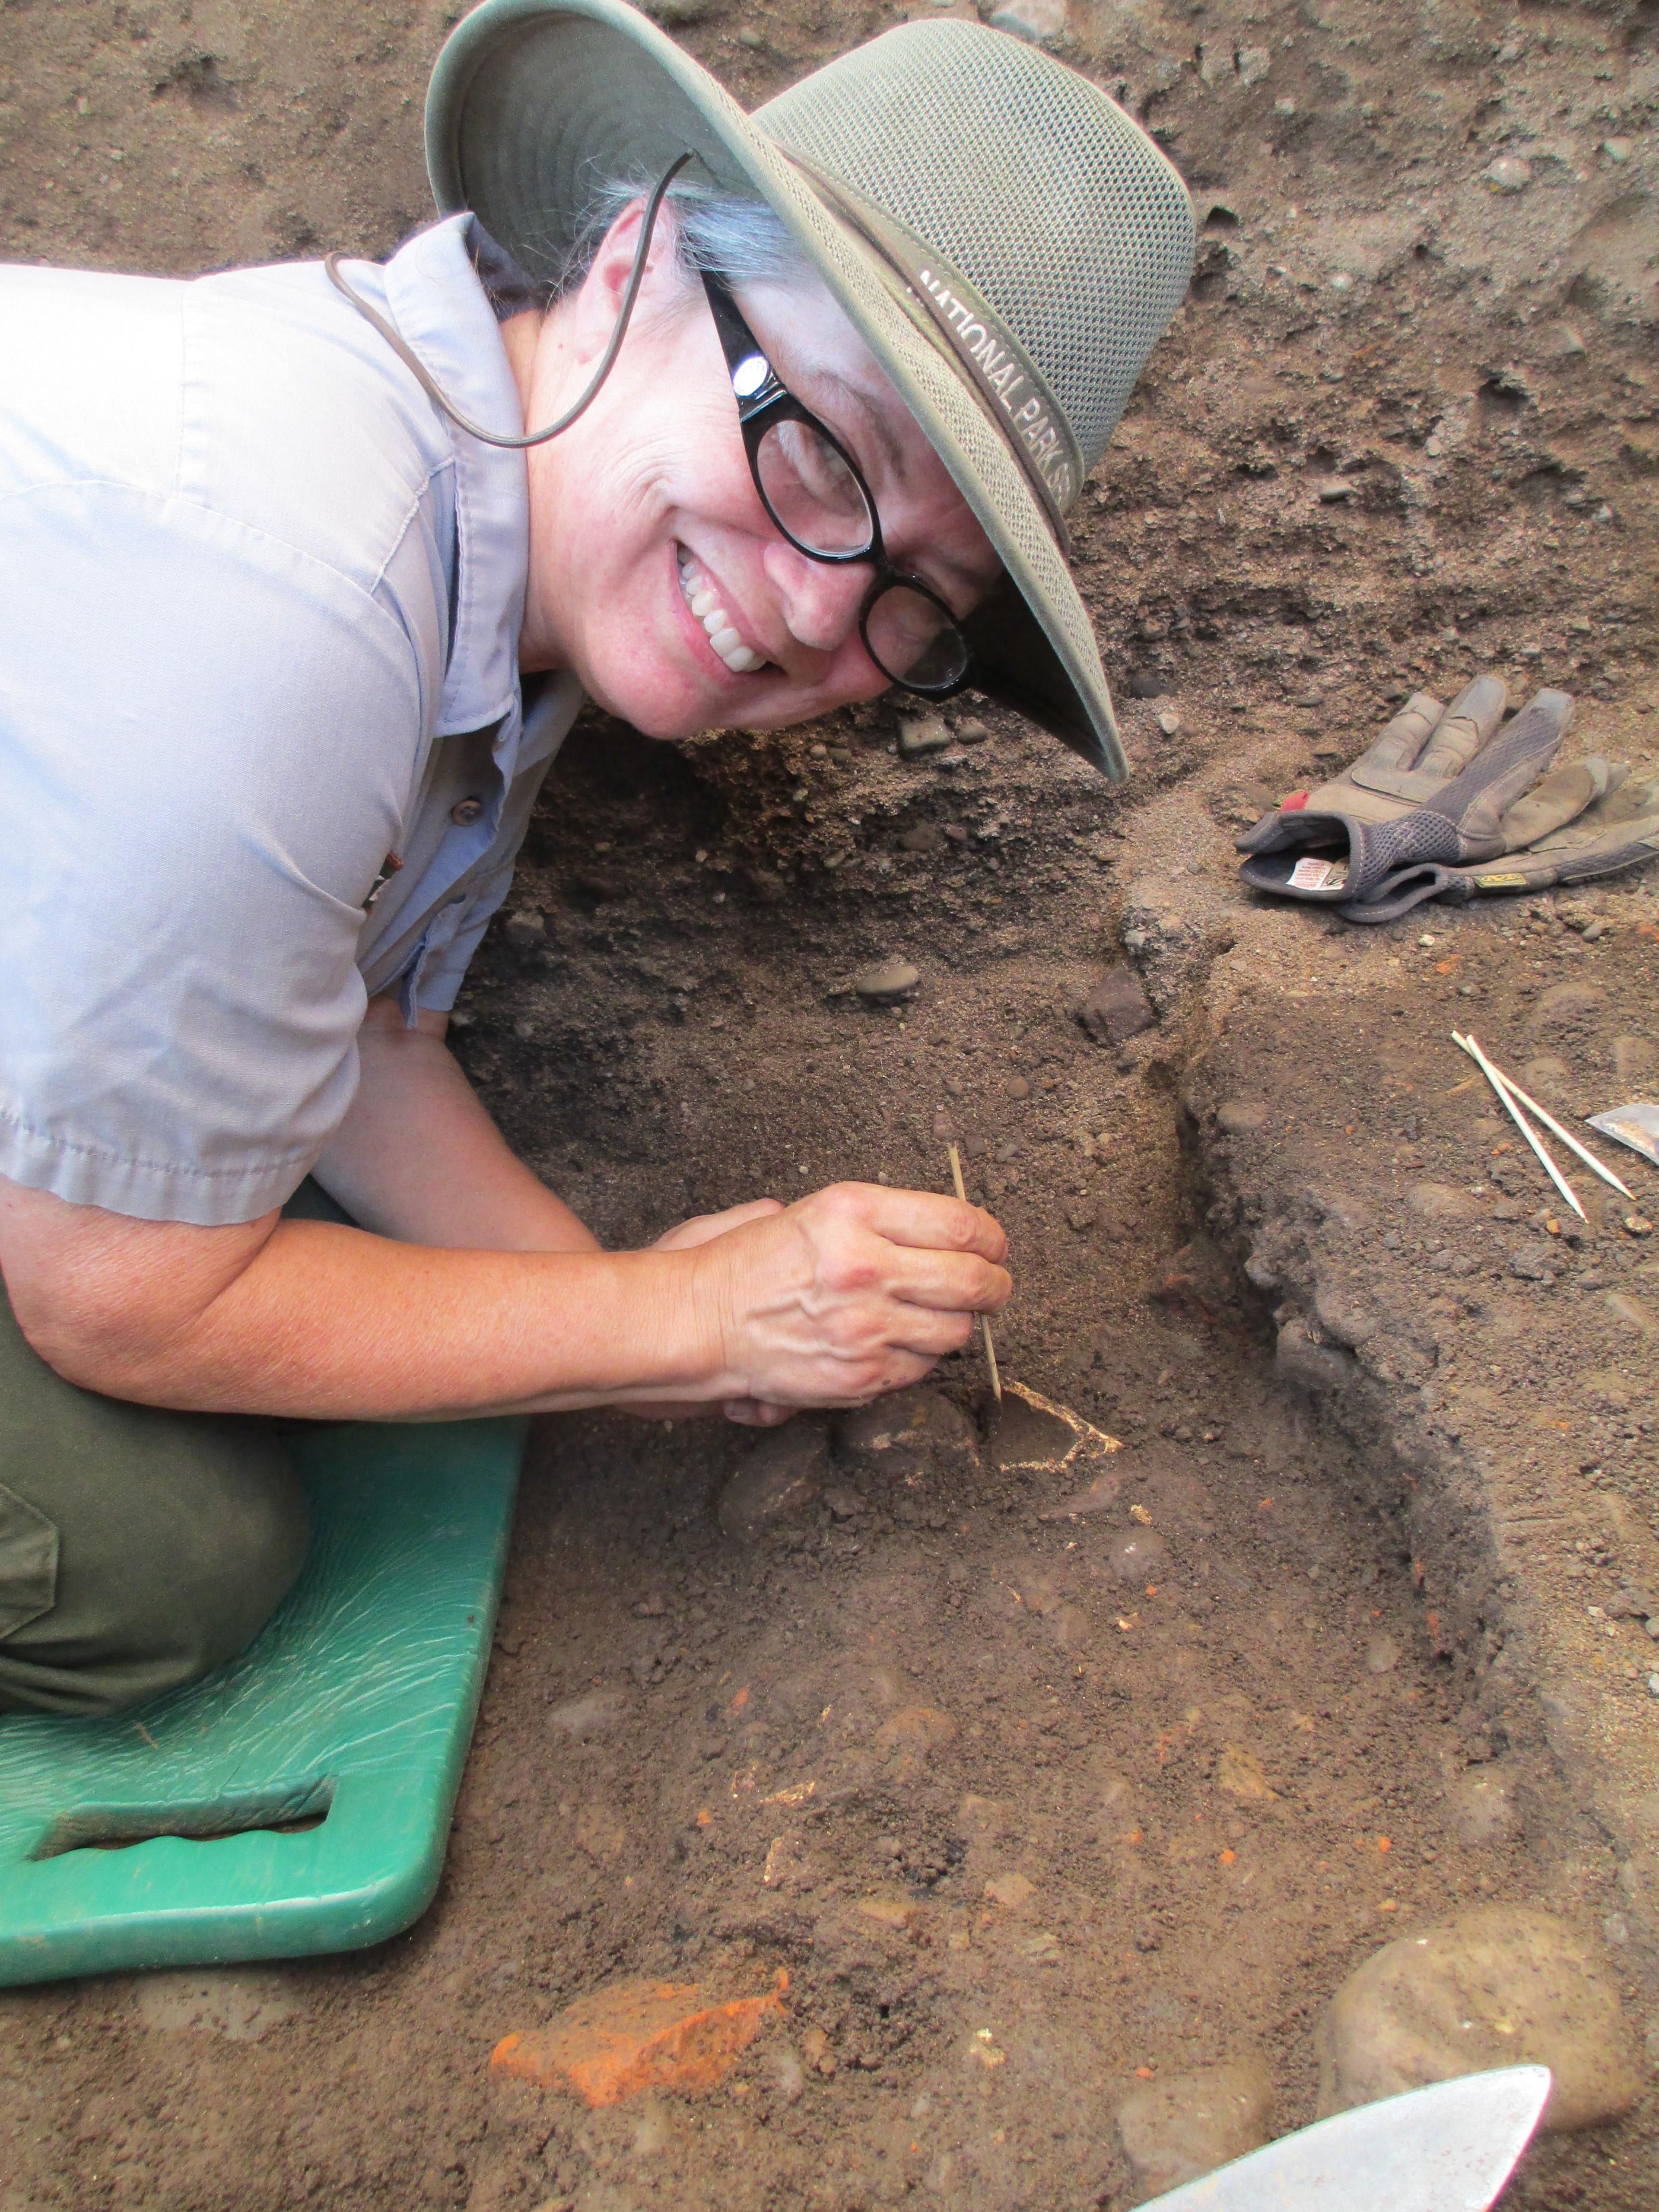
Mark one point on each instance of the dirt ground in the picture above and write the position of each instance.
(1031, 1805)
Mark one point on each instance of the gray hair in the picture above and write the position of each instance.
(741, 240)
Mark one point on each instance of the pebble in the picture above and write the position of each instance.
(1481, 1808)
(1183, 2126)
(1240, 1774)
(239, 2007)
(1011, 1891)
(1531, 1262)
(1169, 722)
(783, 1475)
(1501, 1985)
(1033, 20)
(1617, 150)
(1142, 1556)
(1381, 1655)
(589, 1715)
(1315, 1367)
(888, 982)
(1117, 1008)
(525, 930)
(1566, 1005)
(1509, 173)
(1018, 1087)
(1240, 1116)
(1443, 1201)
(908, 1432)
(972, 730)
(921, 733)
(1638, 1225)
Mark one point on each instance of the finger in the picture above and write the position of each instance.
(948, 1282)
(758, 1412)
(703, 1228)
(920, 1218)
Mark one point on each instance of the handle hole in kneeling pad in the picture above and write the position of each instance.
(285, 1809)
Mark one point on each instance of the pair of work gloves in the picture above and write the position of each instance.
(1452, 802)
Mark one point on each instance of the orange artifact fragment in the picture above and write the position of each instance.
(636, 2036)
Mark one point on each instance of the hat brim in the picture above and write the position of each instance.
(534, 104)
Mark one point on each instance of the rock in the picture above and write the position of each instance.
(1116, 1009)
(1509, 173)
(241, 2007)
(678, 12)
(1480, 1807)
(1081, 1217)
(888, 983)
(1633, 1056)
(1239, 1774)
(1017, 1086)
(1254, 63)
(1011, 1891)
(1564, 343)
(1142, 1557)
(1531, 1263)
(1546, 1075)
(1633, 1312)
(1169, 722)
(1101, 1495)
(525, 930)
(915, 1727)
(1240, 1116)
(1341, 1319)
(972, 730)
(1502, 1986)
(1381, 1655)
(1037, 21)
(1185, 2125)
(922, 837)
(780, 1478)
(921, 733)
(589, 1715)
(1565, 1007)
(1443, 1201)
(908, 1432)
(1309, 1367)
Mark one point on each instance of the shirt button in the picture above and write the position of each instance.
(465, 811)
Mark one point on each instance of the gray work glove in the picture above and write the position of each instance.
(1440, 785)
(1615, 825)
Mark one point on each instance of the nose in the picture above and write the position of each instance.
(819, 601)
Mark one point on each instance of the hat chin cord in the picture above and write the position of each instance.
(624, 313)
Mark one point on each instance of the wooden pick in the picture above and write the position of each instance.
(984, 1319)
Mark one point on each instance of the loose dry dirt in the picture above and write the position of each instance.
(1027, 1818)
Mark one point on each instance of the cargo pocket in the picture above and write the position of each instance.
(29, 1563)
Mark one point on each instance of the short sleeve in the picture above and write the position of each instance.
(208, 739)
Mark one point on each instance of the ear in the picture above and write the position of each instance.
(599, 302)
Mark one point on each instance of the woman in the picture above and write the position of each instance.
(710, 419)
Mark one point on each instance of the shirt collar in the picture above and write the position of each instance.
(442, 311)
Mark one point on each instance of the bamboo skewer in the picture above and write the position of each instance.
(1521, 1123)
(1550, 1122)
(984, 1319)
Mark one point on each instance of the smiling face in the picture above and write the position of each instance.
(655, 573)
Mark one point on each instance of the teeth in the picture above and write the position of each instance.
(727, 641)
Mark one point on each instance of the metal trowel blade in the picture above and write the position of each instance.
(1449, 2148)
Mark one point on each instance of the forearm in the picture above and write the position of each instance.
(331, 1324)
(417, 1157)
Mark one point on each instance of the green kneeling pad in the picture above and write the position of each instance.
(299, 1799)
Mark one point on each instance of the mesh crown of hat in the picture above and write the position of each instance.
(1027, 179)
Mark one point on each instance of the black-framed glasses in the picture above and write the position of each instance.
(815, 492)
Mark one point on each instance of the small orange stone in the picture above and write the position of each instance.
(637, 2036)
(1229, 1858)
(741, 1701)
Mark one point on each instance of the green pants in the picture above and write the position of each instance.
(139, 1548)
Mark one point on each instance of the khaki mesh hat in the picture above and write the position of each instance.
(1007, 242)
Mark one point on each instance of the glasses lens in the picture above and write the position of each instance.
(814, 498)
(913, 637)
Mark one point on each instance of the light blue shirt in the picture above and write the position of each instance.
(260, 608)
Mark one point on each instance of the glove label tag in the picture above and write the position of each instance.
(1311, 875)
(1510, 883)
